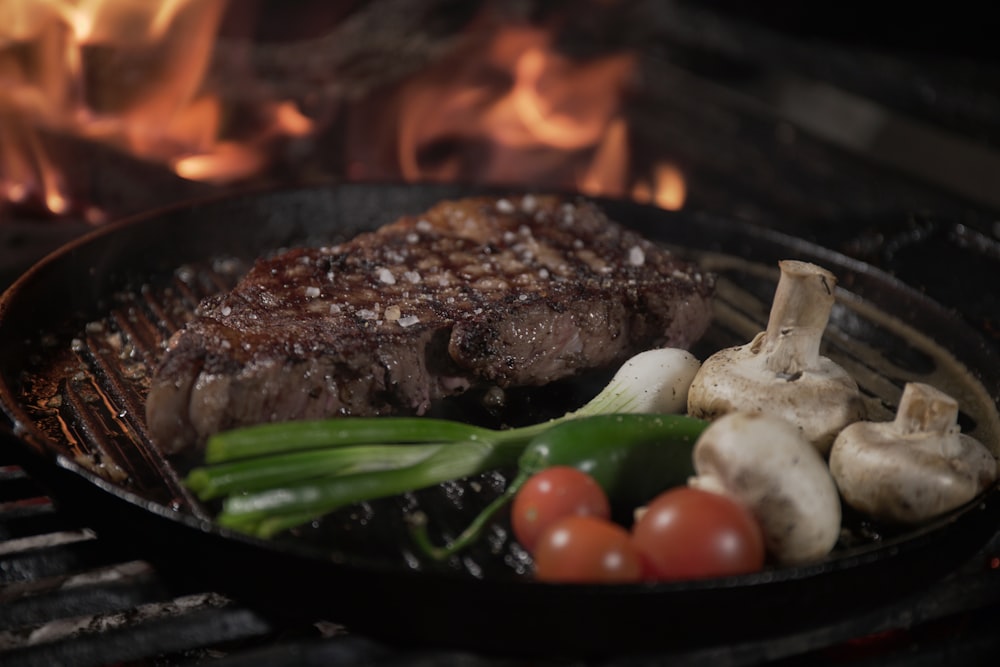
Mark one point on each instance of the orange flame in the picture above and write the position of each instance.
(667, 189)
(127, 73)
(131, 74)
(556, 122)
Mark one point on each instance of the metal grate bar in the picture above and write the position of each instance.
(34, 610)
(39, 563)
(97, 644)
(70, 598)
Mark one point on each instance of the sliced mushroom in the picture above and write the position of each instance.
(915, 467)
(764, 462)
(781, 371)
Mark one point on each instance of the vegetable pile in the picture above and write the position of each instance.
(724, 467)
(277, 476)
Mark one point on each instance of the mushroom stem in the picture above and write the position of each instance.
(781, 371)
(799, 314)
(924, 409)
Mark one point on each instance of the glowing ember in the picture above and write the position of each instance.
(226, 162)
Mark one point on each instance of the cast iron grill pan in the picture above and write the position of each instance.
(80, 332)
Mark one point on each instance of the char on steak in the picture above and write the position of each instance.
(483, 291)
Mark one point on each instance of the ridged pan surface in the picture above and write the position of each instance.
(81, 331)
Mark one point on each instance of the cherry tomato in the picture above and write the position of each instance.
(550, 495)
(688, 533)
(587, 549)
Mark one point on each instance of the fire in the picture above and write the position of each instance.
(128, 74)
(152, 56)
(229, 161)
(133, 75)
(517, 112)
(667, 188)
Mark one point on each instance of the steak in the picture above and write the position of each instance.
(477, 292)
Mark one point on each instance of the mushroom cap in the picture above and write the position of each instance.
(820, 400)
(764, 462)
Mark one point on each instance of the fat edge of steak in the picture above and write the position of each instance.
(509, 292)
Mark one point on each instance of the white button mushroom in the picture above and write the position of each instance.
(781, 371)
(764, 462)
(915, 467)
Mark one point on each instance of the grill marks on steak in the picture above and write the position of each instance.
(511, 292)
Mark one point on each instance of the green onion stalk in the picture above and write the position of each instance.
(274, 477)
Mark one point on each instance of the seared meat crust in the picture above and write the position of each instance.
(512, 292)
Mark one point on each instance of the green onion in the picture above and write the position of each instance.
(246, 475)
(281, 437)
(266, 511)
(276, 476)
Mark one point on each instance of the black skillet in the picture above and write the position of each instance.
(78, 331)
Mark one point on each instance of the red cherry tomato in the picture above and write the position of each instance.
(553, 494)
(586, 549)
(688, 533)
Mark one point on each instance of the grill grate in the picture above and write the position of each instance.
(67, 597)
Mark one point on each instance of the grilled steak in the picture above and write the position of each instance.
(508, 292)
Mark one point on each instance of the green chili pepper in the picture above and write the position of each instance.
(632, 456)
(273, 477)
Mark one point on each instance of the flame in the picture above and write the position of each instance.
(554, 122)
(129, 74)
(228, 161)
(667, 189)
(509, 109)
(564, 105)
